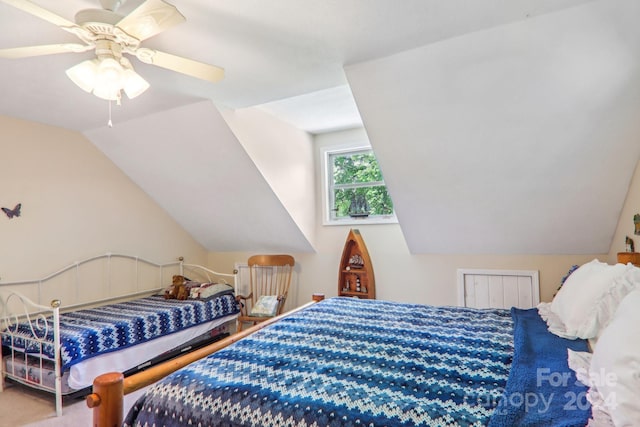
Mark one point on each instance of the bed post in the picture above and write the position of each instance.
(107, 399)
(55, 306)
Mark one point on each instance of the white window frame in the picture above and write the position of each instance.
(327, 194)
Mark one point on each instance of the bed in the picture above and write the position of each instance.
(62, 348)
(348, 362)
(351, 362)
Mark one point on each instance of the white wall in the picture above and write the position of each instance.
(75, 203)
(284, 155)
(399, 275)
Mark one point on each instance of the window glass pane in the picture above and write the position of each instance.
(353, 168)
(362, 201)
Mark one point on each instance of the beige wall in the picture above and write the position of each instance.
(625, 223)
(400, 275)
(75, 203)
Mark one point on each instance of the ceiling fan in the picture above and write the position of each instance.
(111, 35)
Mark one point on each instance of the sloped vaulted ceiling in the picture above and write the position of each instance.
(501, 126)
(195, 168)
(517, 139)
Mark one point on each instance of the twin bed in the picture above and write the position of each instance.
(62, 348)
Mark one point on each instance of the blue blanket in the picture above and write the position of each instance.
(541, 390)
(346, 362)
(91, 332)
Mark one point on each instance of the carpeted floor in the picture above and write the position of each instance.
(22, 406)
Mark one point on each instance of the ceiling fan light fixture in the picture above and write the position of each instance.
(106, 78)
(84, 74)
(109, 75)
(134, 84)
(112, 35)
(107, 93)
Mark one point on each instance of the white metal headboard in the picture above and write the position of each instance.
(74, 270)
(142, 277)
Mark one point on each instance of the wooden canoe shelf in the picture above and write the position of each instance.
(355, 276)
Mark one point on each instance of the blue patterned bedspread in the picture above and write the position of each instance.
(91, 332)
(346, 362)
(542, 391)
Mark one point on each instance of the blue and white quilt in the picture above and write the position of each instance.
(91, 332)
(346, 362)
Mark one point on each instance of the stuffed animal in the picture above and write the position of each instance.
(178, 289)
(182, 292)
(170, 292)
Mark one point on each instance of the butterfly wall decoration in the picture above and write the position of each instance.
(13, 212)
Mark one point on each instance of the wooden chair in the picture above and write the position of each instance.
(270, 278)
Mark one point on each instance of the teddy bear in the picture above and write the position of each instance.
(182, 292)
(178, 289)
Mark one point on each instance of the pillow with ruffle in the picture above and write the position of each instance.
(554, 323)
(588, 298)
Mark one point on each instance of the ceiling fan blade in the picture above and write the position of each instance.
(149, 19)
(181, 65)
(47, 49)
(40, 12)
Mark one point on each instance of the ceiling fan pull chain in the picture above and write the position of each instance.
(110, 123)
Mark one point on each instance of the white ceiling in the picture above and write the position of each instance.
(501, 126)
(524, 137)
(271, 51)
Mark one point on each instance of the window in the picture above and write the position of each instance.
(356, 191)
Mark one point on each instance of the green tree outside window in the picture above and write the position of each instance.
(357, 187)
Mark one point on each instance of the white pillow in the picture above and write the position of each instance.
(554, 323)
(208, 290)
(615, 365)
(580, 363)
(589, 297)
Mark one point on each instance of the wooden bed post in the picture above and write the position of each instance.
(109, 389)
(107, 400)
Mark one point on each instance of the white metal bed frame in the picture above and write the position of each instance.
(15, 307)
